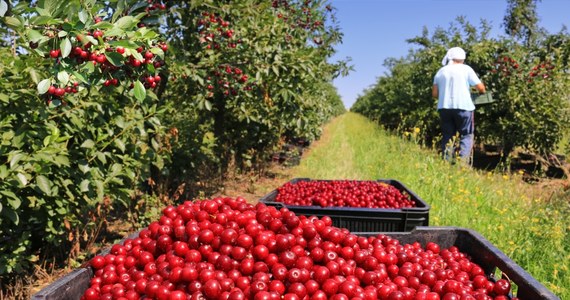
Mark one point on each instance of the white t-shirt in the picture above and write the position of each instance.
(453, 82)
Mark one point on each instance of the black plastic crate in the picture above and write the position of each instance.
(482, 252)
(358, 219)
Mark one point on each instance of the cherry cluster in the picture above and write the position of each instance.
(343, 193)
(226, 248)
(228, 80)
(58, 92)
(111, 61)
(505, 66)
(128, 65)
(301, 16)
(542, 70)
(155, 5)
(215, 32)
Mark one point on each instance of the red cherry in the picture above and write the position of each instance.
(54, 53)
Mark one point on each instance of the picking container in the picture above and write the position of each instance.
(481, 251)
(357, 219)
(482, 99)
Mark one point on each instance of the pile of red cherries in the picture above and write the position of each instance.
(343, 193)
(227, 248)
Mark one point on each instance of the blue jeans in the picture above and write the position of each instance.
(457, 120)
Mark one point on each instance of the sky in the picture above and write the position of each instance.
(375, 30)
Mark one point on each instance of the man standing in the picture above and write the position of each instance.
(451, 85)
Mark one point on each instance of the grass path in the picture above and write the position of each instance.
(506, 211)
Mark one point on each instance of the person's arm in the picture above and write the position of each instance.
(475, 81)
(480, 88)
(435, 91)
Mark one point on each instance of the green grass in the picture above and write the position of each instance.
(531, 227)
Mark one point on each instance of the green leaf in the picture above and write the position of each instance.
(90, 39)
(150, 68)
(34, 35)
(152, 20)
(13, 199)
(79, 76)
(22, 179)
(16, 159)
(50, 6)
(88, 144)
(83, 16)
(118, 10)
(3, 10)
(84, 186)
(43, 12)
(115, 31)
(136, 55)
(208, 105)
(34, 76)
(155, 144)
(47, 140)
(12, 215)
(101, 156)
(120, 144)
(103, 25)
(63, 77)
(149, 34)
(126, 22)
(44, 184)
(54, 103)
(140, 91)
(159, 163)
(84, 167)
(114, 58)
(12, 22)
(116, 169)
(43, 20)
(61, 160)
(199, 79)
(62, 33)
(100, 188)
(65, 47)
(3, 172)
(123, 43)
(4, 98)
(119, 121)
(43, 86)
(138, 5)
(88, 68)
(157, 51)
